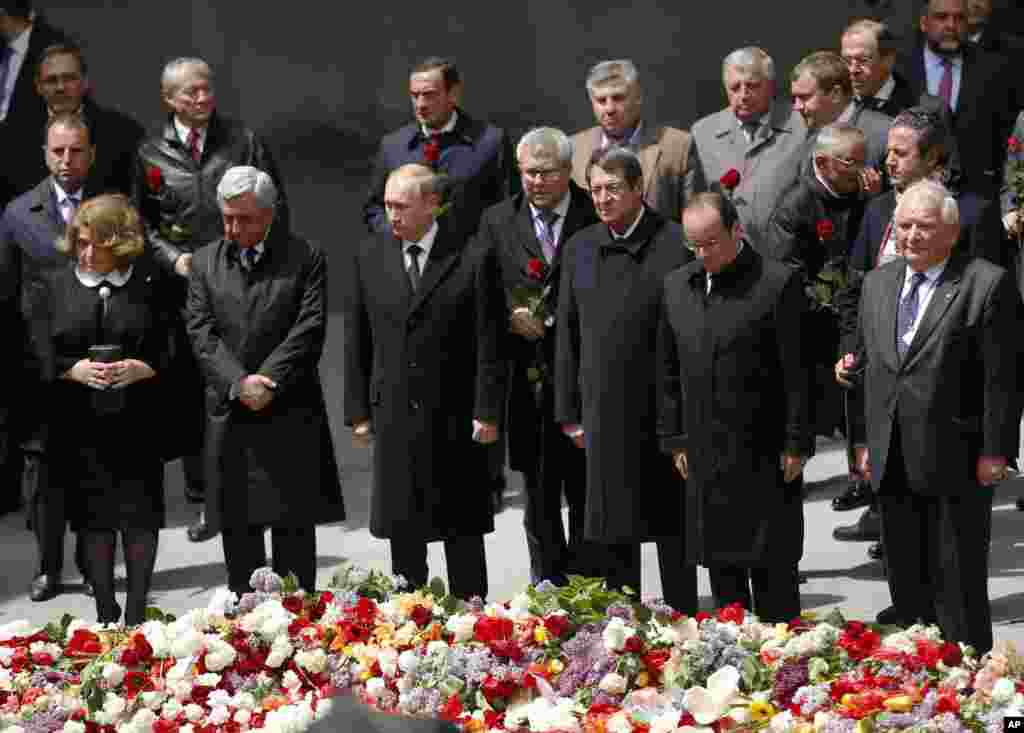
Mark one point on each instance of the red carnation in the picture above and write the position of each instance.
(951, 654)
(421, 615)
(536, 268)
(432, 151)
(507, 649)
(730, 179)
(366, 609)
(633, 645)
(154, 179)
(488, 629)
(136, 682)
(556, 624)
(733, 613)
(451, 709)
(1013, 144)
(83, 642)
(825, 229)
(293, 604)
(494, 688)
(655, 659)
(701, 616)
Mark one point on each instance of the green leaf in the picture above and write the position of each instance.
(290, 584)
(836, 618)
(437, 588)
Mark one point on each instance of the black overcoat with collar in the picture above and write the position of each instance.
(508, 230)
(735, 398)
(607, 375)
(953, 397)
(422, 366)
(275, 466)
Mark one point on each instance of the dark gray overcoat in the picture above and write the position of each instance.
(422, 366)
(606, 375)
(275, 466)
(736, 392)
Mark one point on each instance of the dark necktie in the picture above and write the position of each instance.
(250, 257)
(5, 65)
(750, 130)
(869, 103)
(193, 144)
(908, 313)
(547, 237)
(414, 251)
(946, 83)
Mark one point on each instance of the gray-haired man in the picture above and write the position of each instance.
(256, 317)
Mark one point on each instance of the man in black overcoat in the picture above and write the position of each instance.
(257, 318)
(917, 150)
(869, 49)
(735, 410)
(22, 111)
(177, 170)
(425, 378)
(938, 428)
(526, 233)
(29, 229)
(606, 377)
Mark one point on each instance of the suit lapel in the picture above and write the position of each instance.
(650, 153)
(889, 307)
(942, 297)
(443, 256)
(527, 235)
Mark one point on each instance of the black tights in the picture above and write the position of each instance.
(139, 558)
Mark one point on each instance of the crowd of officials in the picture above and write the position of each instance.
(651, 324)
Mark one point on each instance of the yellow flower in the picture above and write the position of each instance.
(408, 601)
(782, 632)
(540, 635)
(643, 679)
(805, 728)
(555, 666)
(864, 725)
(901, 704)
(474, 726)
(761, 711)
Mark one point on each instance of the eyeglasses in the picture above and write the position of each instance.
(611, 190)
(694, 246)
(542, 174)
(861, 62)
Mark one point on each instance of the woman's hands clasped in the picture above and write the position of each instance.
(115, 375)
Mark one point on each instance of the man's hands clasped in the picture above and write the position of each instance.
(115, 375)
(256, 391)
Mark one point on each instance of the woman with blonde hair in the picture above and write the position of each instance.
(102, 343)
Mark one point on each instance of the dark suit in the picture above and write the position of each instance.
(274, 467)
(982, 120)
(476, 156)
(901, 98)
(22, 130)
(606, 379)
(422, 366)
(928, 417)
(536, 443)
(28, 232)
(736, 398)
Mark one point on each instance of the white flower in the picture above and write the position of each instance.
(616, 633)
(461, 625)
(187, 644)
(519, 607)
(208, 680)
(269, 619)
(709, 704)
(280, 650)
(153, 699)
(113, 705)
(242, 717)
(314, 661)
(388, 660)
(143, 721)
(171, 709)
(42, 647)
(1003, 691)
(245, 701)
(223, 600)
(219, 715)
(156, 634)
(187, 728)
(543, 715)
(113, 674)
(20, 628)
(375, 686)
(291, 681)
(666, 722)
(6, 654)
(193, 712)
(613, 684)
(218, 697)
(782, 722)
(619, 723)
(408, 661)
(73, 726)
(437, 647)
(6, 683)
(219, 654)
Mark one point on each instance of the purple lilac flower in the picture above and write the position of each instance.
(545, 586)
(47, 721)
(249, 601)
(789, 678)
(620, 610)
(265, 580)
(603, 698)
(836, 724)
(658, 607)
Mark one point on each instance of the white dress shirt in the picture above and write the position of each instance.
(426, 242)
(19, 50)
(605, 142)
(711, 275)
(183, 133)
(448, 126)
(625, 235)
(91, 279)
(924, 294)
(934, 69)
(556, 228)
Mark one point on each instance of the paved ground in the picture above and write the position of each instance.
(840, 575)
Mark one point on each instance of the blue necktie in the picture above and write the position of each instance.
(908, 313)
(250, 257)
(5, 66)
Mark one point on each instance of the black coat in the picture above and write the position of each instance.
(951, 397)
(508, 231)
(901, 98)
(606, 375)
(184, 193)
(275, 466)
(23, 130)
(476, 156)
(983, 119)
(736, 398)
(422, 366)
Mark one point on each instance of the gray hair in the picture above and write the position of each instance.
(421, 179)
(546, 142)
(835, 137)
(610, 72)
(171, 78)
(243, 179)
(934, 195)
(750, 59)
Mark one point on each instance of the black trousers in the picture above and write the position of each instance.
(619, 565)
(293, 551)
(937, 549)
(47, 515)
(562, 469)
(772, 593)
(467, 564)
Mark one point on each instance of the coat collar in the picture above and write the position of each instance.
(215, 135)
(638, 240)
(731, 274)
(945, 293)
(444, 254)
(467, 130)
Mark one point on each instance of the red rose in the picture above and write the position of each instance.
(432, 151)
(825, 229)
(154, 179)
(730, 179)
(633, 645)
(733, 613)
(701, 616)
(655, 659)
(494, 688)
(556, 624)
(293, 604)
(506, 648)
(129, 657)
(451, 709)
(421, 615)
(83, 642)
(366, 609)
(165, 726)
(536, 268)
(494, 720)
(1013, 144)
(136, 682)
(488, 629)
(951, 654)
(325, 599)
(947, 703)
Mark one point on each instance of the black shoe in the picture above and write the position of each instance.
(1020, 503)
(43, 588)
(891, 616)
(111, 617)
(858, 494)
(866, 529)
(87, 588)
(877, 551)
(201, 531)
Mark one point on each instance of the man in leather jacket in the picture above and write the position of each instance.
(176, 175)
